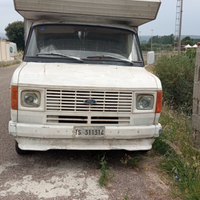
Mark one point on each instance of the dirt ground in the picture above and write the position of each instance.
(153, 183)
(72, 175)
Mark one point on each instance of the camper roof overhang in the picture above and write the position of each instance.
(130, 12)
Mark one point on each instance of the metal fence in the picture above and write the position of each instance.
(196, 102)
(4, 51)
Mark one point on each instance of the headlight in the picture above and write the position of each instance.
(30, 98)
(145, 102)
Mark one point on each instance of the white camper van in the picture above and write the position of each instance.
(82, 83)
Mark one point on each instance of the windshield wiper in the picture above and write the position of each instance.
(111, 56)
(59, 54)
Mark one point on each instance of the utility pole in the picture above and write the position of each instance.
(151, 38)
(179, 43)
(178, 26)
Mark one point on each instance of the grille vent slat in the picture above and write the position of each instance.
(64, 100)
(57, 119)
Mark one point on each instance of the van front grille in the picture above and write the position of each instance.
(67, 119)
(74, 101)
(58, 119)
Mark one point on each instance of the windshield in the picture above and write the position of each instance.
(82, 42)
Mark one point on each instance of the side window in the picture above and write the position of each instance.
(33, 47)
(135, 51)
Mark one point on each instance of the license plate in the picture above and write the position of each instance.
(83, 131)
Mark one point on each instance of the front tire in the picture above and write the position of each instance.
(20, 151)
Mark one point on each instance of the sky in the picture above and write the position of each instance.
(163, 25)
(165, 21)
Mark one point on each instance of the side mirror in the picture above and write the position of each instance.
(13, 50)
(150, 57)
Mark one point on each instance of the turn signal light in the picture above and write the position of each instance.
(159, 102)
(14, 97)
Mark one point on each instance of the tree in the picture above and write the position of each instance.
(15, 33)
(166, 39)
(187, 40)
(196, 40)
(145, 46)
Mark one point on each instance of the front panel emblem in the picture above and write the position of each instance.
(90, 101)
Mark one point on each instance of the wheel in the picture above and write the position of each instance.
(20, 151)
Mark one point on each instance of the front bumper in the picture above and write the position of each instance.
(45, 137)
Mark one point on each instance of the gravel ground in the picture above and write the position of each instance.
(71, 175)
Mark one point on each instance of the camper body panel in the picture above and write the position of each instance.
(82, 83)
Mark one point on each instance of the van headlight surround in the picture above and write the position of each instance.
(145, 102)
(30, 98)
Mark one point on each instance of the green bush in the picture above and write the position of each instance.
(180, 160)
(191, 53)
(177, 76)
(146, 46)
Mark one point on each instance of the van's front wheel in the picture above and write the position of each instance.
(20, 151)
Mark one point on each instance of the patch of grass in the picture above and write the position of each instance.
(106, 172)
(160, 146)
(131, 160)
(126, 197)
(180, 160)
(6, 64)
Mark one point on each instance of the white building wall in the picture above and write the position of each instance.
(4, 51)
